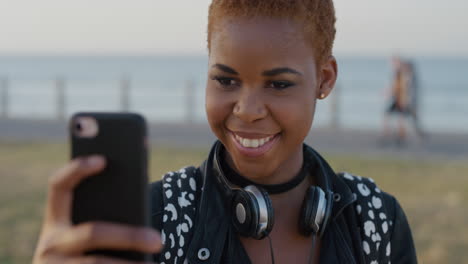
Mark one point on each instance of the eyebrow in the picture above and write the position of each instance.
(277, 71)
(225, 68)
(269, 73)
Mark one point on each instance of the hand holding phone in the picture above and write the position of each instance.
(70, 233)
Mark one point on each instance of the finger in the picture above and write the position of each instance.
(103, 235)
(78, 169)
(62, 183)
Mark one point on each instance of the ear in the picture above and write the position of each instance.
(327, 76)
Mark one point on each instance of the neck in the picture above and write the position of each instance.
(241, 181)
(287, 206)
(283, 173)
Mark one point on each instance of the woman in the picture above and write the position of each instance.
(399, 101)
(262, 196)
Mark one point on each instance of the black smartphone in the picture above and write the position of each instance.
(119, 193)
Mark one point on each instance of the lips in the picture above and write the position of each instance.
(253, 142)
(253, 145)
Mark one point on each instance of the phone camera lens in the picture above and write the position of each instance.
(78, 127)
(85, 127)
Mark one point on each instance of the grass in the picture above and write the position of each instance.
(432, 192)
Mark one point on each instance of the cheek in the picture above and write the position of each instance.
(218, 108)
(295, 116)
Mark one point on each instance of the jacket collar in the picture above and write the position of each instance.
(211, 222)
(342, 194)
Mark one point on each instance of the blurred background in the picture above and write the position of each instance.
(60, 57)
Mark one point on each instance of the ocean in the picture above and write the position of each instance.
(158, 89)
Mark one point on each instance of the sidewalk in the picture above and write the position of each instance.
(362, 143)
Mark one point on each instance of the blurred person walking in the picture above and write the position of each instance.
(399, 103)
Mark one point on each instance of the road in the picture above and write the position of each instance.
(438, 145)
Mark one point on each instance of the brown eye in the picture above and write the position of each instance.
(225, 81)
(280, 85)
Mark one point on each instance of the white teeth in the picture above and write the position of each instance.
(252, 143)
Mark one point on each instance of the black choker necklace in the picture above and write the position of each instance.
(237, 179)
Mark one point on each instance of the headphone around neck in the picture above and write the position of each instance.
(253, 210)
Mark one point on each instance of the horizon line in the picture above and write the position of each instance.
(194, 55)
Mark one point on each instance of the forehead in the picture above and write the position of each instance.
(267, 38)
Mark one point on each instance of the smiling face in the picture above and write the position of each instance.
(260, 95)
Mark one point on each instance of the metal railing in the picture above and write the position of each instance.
(61, 101)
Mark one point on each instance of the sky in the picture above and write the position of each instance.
(178, 27)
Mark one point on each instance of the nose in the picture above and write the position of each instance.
(250, 107)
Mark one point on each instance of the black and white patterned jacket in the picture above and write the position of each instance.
(367, 224)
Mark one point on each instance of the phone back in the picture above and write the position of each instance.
(119, 192)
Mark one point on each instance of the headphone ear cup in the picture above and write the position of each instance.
(306, 211)
(269, 213)
(245, 212)
(313, 211)
(253, 212)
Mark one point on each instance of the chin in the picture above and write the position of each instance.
(255, 168)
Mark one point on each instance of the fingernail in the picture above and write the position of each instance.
(95, 160)
(154, 241)
(153, 237)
